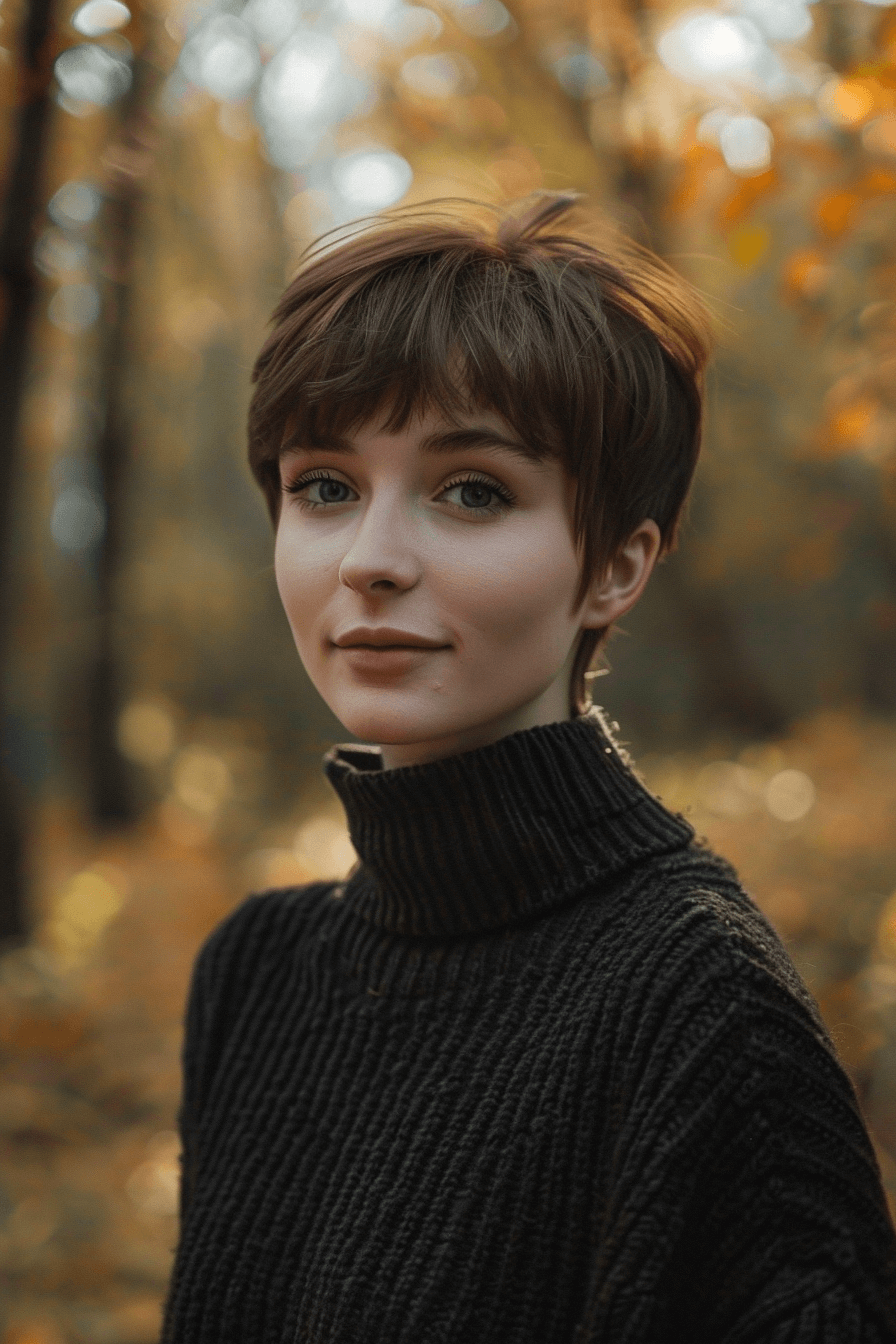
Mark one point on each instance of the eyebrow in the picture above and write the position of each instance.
(442, 441)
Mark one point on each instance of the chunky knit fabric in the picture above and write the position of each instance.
(538, 1072)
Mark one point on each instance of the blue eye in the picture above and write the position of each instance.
(329, 490)
(480, 495)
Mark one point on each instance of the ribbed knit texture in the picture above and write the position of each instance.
(538, 1072)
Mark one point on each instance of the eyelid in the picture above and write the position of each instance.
(309, 477)
(472, 477)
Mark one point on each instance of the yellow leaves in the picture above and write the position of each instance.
(748, 245)
(83, 909)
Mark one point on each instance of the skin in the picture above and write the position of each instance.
(404, 538)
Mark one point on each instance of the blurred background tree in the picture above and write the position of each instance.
(164, 166)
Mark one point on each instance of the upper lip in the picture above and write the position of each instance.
(383, 636)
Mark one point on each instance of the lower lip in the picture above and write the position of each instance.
(390, 661)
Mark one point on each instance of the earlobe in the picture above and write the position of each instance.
(617, 590)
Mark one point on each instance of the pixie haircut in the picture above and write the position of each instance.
(593, 352)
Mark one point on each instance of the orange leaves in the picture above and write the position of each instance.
(697, 163)
(879, 182)
(805, 273)
(852, 421)
(701, 162)
(834, 212)
(748, 191)
(850, 102)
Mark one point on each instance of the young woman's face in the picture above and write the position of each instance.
(429, 576)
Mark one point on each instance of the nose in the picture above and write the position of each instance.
(381, 557)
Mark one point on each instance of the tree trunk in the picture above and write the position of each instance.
(110, 785)
(18, 285)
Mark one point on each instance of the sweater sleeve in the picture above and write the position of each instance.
(228, 976)
(746, 1188)
(208, 1010)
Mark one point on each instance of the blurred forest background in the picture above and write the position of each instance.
(161, 169)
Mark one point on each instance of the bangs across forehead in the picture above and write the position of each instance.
(412, 341)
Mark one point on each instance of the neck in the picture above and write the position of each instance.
(552, 706)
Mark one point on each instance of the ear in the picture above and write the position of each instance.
(618, 588)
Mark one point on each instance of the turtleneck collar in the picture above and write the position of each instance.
(496, 835)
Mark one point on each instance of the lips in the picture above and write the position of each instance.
(383, 637)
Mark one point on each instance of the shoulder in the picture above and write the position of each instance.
(232, 974)
(689, 946)
(263, 925)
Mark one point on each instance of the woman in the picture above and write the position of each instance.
(538, 1071)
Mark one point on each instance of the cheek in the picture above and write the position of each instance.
(299, 580)
(517, 586)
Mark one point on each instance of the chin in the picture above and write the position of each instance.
(397, 720)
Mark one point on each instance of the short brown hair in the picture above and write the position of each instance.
(593, 353)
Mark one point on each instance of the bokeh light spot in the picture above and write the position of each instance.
(89, 73)
(439, 76)
(201, 780)
(708, 43)
(78, 520)
(482, 18)
(779, 20)
(847, 102)
(373, 180)
(100, 16)
(223, 57)
(84, 909)
(74, 203)
(746, 144)
(579, 72)
(74, 308)
(729, 789)
(789, 795)
(323, 847)
(146, 732)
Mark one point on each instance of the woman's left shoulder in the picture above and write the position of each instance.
(691, 933)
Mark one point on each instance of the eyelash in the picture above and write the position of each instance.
(473, 478)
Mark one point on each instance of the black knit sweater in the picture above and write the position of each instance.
(538, 1072)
